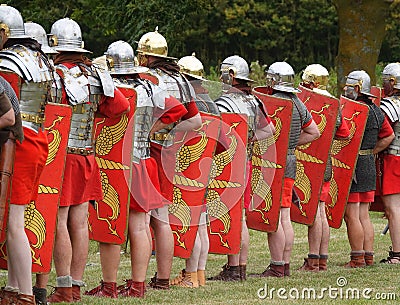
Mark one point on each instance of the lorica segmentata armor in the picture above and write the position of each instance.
(239, 102)
(84, 94)
(33, 68)
(391, 107)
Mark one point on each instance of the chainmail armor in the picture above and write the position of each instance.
(300, 116)
(365, 172)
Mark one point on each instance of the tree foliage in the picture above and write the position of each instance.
(299, 31)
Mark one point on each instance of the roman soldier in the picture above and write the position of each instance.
(238, 99)
(377, 136)
(316, 78)
(390, 158)
(193, 275)
(148, 103)
(153, 53)
(90, 91)
(280, 83)
(27, 68)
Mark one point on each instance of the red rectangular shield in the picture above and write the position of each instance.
(226, 187)
(14, 80)
(344, 157)
(41, 215)
(269, 162)
(108, 218)
(194, 152)
(378, 92)
(312, 157)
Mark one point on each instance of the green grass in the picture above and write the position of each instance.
(381, 278)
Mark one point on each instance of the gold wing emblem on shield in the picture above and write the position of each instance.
(180, 210)
(188, 154)
(219, 162)
(109, 135)
(54, 144)
(261, 188)
(260, 147)
(217, 209)
(35, 222)
(110, 195)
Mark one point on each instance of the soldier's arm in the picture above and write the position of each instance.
(386, 136)
(7, 115)
(191, 120)
(189, 124)
(171, 113)
(265, 127)
(265, 132)
(309, 133)
(383, 143)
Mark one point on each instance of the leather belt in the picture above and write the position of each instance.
(162, 137)
(38, 119)
(80, 151)
(366, 152)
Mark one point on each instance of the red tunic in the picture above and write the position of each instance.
(145, 189)
(30, 159)
(385, 131)
(288, 184)
(81, 181)
(390, 179)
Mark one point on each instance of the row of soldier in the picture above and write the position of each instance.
(140, 116)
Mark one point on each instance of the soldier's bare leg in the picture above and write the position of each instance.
(315, 234)
(205, 245)
(392, 211)
(164, 242)
(40, 288)
(139, 245)
(289, 233)
(42, 280)
(368, 228)
(18, 251)
(324, 229)
(355, 232)
(148, 232)
(276, 243)
(109, 259)
(79, 233)
(192, 262)
(62, 255)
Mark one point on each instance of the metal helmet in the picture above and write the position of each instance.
(192, 66)
(120, 59)
(154, 44)
(66, 36)
(316, 74)
(37, 32)
(12, 22)
(239, 67)
(280, 76)
(392, 72)
(359, 78)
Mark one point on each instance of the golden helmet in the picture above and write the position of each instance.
(191, 66)
(317, 74)
(154, 44)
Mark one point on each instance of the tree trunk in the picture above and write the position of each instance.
(361, 31)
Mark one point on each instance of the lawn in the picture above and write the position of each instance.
(378, 281)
